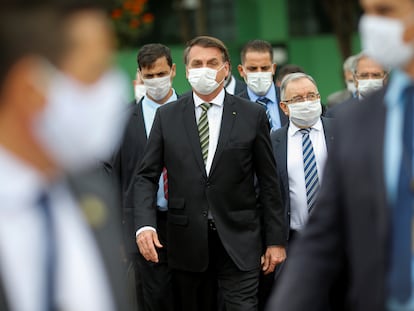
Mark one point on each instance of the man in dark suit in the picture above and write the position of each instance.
(59, 238)
(301, 102)
(257, 69)
(298, 146)
(363, 220)
(212, 144)
(156, 69)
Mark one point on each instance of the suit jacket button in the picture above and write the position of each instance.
(205, 214)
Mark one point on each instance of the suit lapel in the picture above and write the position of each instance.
(140, 124)
(280, 147)
(327, 129)
(192, 131)
(227, 121)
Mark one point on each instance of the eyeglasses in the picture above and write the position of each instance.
(301, 99)
(367, 75)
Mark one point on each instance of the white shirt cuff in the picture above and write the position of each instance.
(144, 229)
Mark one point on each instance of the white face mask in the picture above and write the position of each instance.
(305, 114)
(368, 86)
(140, 91)
(158, 88)
(203, 80)
(259, 82)
(82, 124)
(351, 87)
(382, 39)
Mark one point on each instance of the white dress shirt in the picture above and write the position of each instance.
(214, 115)
(297, 188)
(231, 85)
(81, 278)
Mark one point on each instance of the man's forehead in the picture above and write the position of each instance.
(390, 8)
(257, 56)
(198, 52)
(300, 86)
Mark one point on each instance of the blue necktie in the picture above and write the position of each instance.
(310, 169)
(401, 253)
(264, 101)
(51, 245)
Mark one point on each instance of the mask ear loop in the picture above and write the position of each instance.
(220, 70)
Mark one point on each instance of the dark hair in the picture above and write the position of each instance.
(207, 42)
(35, 27)
(149, 53)
(256, 46)
(28, 31)
(287, 69)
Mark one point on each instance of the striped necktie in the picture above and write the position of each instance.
(264, 101)
(310, 169)
(203, 130)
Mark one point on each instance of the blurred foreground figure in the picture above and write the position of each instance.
(363, 220)
(59, 114)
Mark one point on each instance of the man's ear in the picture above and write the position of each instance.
(241, 71)
(284, 108)
(408, 35)
(173, 71)
(274, 66)
(28, 80)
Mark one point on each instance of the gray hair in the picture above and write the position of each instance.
(293, 77)
(349, 63)
(357, 58)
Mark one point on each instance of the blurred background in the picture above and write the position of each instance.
(315, 34)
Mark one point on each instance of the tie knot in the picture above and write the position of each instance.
(205, 106)
(305, 131)
(263, 101)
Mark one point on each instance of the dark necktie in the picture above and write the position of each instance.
(401, 250)
(51, 250)
(264, 101)
(203, 131)
(165, 180)
(310, 169)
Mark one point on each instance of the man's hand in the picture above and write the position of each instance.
(274, 255)
(147, 241)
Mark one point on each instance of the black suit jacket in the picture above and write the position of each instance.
(279, 144)
(240, 86)
(124, 166)
(98, 202)
(283, 118)
(350, 224)
(243, 150)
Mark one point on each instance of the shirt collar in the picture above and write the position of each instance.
(271, 94)
(149, 102)
(18, 180)
(218, 100)
(399, 80)
(293, 129)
